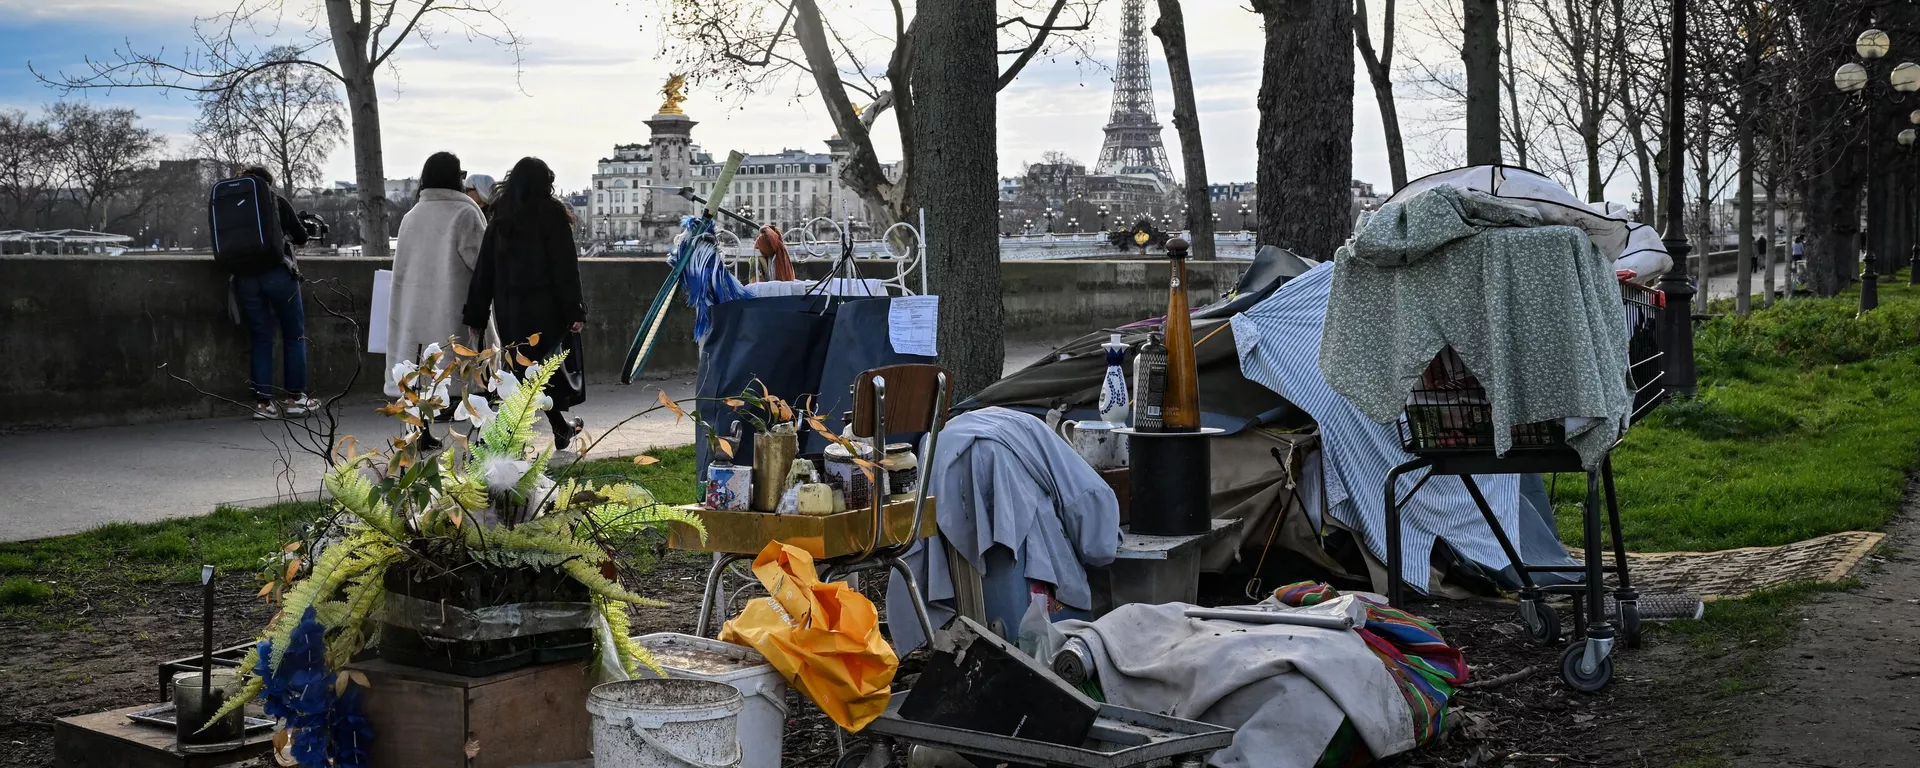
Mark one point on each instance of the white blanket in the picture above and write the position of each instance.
(1285, 689)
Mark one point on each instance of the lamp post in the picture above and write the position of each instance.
(1907, 138)
(1105, 214)
(1243, 217)
(1855, 78)
(1050, 214)
(1029, 228)
(1676, 324)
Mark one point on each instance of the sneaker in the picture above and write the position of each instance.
(265, 410)
(562, 442)
(300, 407)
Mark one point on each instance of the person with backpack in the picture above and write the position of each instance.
(254, 233)
(528, 278)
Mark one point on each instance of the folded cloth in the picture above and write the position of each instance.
(1286, 690)
(1534, 312)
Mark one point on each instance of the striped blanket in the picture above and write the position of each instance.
(1427, 669)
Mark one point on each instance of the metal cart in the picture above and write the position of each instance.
(1447, 427)
(1121, 738)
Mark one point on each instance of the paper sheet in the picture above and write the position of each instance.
(382, 305)
(913, 323)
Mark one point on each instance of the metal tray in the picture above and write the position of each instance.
(163, 716)
(825, 537)
(1121, 738)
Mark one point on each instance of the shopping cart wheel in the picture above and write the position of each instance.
(1630, 623)
(1584, 681)
(1543, 624)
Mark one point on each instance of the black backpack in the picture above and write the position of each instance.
(244, 216)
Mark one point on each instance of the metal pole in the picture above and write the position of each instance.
(1676, 322)
(1869, 279)
(1913, 217)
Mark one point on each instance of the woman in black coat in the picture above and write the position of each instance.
(528, 274)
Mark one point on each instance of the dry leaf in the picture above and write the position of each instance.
(359, 678)
(644, 460)
(473, 745)
(818, 425)
(734, 402)
(464, 352)
(454, 517)
(534, 340)
(291, 547)
(670, 405)
(265, 589)
(293, 569)
(340, 683)
(522, 360)
(726, 446)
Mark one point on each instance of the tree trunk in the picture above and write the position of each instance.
(1481, 54)
(1379, 63)
(1703, 171)
(954, 73)
(1773, 239)
(1743, 282)
(1305, 139)
(363, 110)
(1512, 84)
(1172, 31)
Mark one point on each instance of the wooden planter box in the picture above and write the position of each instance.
(527, 716)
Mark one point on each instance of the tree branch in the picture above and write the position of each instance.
(1041, 32)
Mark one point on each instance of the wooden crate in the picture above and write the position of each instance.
(110, 739)
(824, 537)
(426, 719)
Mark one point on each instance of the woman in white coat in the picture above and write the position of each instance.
(432, 266)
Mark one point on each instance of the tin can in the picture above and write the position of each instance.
(729, 487)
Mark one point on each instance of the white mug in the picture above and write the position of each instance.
(1096, 442)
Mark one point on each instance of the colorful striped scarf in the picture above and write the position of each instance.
(1419, 659)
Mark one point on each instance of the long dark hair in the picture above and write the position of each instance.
(525, 196)
(442, 171)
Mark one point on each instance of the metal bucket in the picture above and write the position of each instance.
(665, 724)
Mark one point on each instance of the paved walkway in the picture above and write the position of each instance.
(1724, 286)
(62, 482)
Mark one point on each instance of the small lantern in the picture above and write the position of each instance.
(1872, 44)
(1906, 137)
(1906, 77)
(1850, 77)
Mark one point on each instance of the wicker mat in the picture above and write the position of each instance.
(1739, 572)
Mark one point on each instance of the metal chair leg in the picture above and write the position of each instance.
(918, 600)
(711, 594)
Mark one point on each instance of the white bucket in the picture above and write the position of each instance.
(665, 724)
(763, 723)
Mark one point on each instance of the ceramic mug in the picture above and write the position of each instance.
(1096, 442)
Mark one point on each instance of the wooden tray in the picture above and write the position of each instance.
(826, 537)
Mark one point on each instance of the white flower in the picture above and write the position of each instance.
(445, 361)
(532, 371)
(504, 384)
(474, 409)
(503, 474)
(400, 371)
(545, 403)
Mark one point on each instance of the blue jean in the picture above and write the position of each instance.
(264, 299)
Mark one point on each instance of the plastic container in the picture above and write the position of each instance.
(654, 723)
(763, 720)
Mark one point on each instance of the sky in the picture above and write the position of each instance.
(591, 75)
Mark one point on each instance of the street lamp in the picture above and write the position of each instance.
(1029, 229)
(1855, 78)
(1243, 216)
(1073, 225)
(1050, 214)
(1676, 325)
(1907, 138)
(1105, 213)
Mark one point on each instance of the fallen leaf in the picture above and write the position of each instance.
(473, 745)
(644, 460)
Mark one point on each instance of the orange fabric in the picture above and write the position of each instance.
(824, 638)
(773, 249)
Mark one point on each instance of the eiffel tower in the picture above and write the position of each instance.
(1133, 143)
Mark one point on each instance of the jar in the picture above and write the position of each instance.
(849, 478)
(903, 471)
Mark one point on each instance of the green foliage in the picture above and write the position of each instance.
(1807, 423)
(231, 539)
(15, 563)
(21, 590)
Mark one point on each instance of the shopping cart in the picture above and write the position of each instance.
(1448, 427)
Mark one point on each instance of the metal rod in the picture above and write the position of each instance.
(1677, 321)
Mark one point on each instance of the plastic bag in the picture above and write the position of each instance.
(823, 638)
(1038, 638)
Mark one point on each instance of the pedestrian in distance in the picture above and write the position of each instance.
(528, 277)
(257, 249)
(480, 187)
(433, 263)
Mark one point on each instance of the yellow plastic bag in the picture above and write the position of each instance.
(824, 638)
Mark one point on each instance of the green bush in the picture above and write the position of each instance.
(20, 590)
(12, 563)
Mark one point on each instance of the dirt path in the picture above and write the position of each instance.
(1847, 690)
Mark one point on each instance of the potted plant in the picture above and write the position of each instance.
(511, 561)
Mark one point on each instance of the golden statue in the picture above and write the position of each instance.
(675, 92)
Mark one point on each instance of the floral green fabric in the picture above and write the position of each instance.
(1533, 311)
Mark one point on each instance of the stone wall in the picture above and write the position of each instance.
(92, 341)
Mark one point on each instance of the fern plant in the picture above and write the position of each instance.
(485, 500)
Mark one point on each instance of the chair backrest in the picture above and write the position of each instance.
(915, 394)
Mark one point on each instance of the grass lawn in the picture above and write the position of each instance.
(1807, 423)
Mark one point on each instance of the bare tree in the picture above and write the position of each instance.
(286, 118)
(98, 149)
(1576, 44)
(363, 37)
(1305, 138)
(754, 46)
(1171, 28)
(28, 164)
(1379, 62)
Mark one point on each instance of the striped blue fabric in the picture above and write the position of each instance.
(1279, 345)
